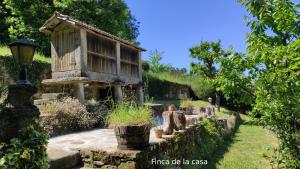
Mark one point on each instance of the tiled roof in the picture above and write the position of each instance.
(57, 18)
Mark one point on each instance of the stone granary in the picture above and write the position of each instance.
(87, 61)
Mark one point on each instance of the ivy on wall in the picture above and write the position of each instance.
(29, 150)
(35, 70)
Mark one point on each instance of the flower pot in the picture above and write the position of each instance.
(158, 133)
(132, 137)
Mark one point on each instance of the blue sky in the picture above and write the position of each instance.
(173, 26)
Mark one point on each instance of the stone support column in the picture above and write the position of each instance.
(18, 112)
(79, 92)
(118, 94)
(95, 92)
(140, 94)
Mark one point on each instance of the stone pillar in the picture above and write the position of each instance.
(18, 111)
(95, 92)
(140, 94)
(79, 92)
(118, 94)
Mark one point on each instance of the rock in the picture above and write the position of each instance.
(58, 158)
(168, 125)
(179, 120)
(101, 156)
(109, 167)
(127, 165)
(171, 107)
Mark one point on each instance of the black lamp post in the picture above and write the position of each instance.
(19, 111)
(23, 51)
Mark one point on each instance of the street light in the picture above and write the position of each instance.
(23, 51)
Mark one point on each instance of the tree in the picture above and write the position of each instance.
(145, 66)
(112, 16)
(274, 49)
(155, 65)
(235, 82)
(207, 53)
(28, 16)
(4, 13)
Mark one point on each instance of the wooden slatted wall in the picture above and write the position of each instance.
(65, 42)
(129, 62)
(101, 55)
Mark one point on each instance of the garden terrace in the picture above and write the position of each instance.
(85, 56)
(98, 148)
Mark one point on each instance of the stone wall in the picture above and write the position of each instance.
(160, 89)
(194, 143)
(4, 76)
(9, 72)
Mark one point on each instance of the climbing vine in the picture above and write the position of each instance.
(27, 151)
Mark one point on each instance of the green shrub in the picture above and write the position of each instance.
(186, 103)
(66, 115)
(203, 88)
(35, 70)
(27, 151)
(129, 114)
(3, 94)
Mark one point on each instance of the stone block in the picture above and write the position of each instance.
(127, 165)
(109, 167)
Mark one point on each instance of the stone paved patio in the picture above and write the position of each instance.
(64, 150)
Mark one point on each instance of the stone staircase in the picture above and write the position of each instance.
(47, 97)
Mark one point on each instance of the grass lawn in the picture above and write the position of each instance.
(222, 113)
(176, 102)
(248, 149)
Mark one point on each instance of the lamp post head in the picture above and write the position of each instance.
(22, 51)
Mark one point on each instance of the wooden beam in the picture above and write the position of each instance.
(140, 66)
(83, 47)
(118, 52)
(53, 52)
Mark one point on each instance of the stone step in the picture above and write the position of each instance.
(61, 159)
(40, 101)
(53, 96)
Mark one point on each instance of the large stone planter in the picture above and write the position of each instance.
(132, 137)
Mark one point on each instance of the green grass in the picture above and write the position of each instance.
(176, 102)
(171, 77)
(248, 149)
(5, 52)
(129, 115)
(222, 113)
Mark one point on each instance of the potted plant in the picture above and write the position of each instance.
(132, 126)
